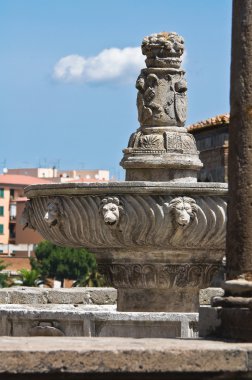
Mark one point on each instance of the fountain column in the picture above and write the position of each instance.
(162, 149)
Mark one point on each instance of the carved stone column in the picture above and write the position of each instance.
(162, 149)
(235, 314)
(239, 229)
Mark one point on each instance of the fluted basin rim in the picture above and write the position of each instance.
(125, 187)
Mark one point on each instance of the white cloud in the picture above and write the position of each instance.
(109, 65)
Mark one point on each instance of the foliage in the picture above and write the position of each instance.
(29, 277)
(5, 281)
(92, 278)
(62, 263)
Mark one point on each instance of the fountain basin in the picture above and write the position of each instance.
(158, 243)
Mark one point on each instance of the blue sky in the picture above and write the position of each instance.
(79, 121)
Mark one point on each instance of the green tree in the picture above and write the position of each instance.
(5, 281)
(61, 263)
(29, 277)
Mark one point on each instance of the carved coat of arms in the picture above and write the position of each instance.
(180, 107)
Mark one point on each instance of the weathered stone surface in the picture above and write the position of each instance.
(225, 322)
(118, 355)
(93, 320)
(4, 296)
(97, 296)
(239, 243)
(28, 295)
(205, 295)
(78, 216)
(209, 321)
(179, 299)
(161, 98)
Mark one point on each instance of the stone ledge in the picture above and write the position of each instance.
(87, 296)
(120, 355)
(93, 321)
(29, 295)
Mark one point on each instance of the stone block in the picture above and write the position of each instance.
(67, 296)
(145, 325)
(209, 321)
(205, 295)
(25, 295)
(157, 300)
(236, 323)
(4, 296)
(227, 323)
(138, 329)
(101, 296)
(97, 296)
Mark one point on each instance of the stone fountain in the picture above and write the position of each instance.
(159, 236)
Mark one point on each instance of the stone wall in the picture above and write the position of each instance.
(212, 143)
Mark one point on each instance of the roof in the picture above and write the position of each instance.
(215, 121)
(85, 180)
(17, 179)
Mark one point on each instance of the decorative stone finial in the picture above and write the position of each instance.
(162, 149)
(163, 49)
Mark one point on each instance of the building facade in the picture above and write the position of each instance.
(12, 201)
(63, 175)
(211, 137)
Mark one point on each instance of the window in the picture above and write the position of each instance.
(1, 229)
(12, 193)
(13, 211)
(1, 193)
(1, 210)
(12, 229)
